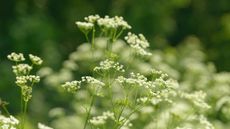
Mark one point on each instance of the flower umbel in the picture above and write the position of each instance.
(35, 59)
(139, 43)
(16, 57)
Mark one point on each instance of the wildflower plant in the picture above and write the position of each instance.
(118, 95)
(25, 81)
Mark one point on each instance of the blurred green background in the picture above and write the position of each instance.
(47, 28)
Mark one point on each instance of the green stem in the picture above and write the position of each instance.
(24, 114)
(22, 109)
(5, 109)
(87, 38)
(93, 39)
(136, 109)
(119, 34)
(88, 112)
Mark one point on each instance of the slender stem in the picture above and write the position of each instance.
(22, 109)
(24, 113)
(88, 112)
(119, 34)
(136, 109)
(5, 109)
(87, 38)
(93, 39)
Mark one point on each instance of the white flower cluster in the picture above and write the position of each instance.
(26, 93)
(205, 122)
(106, 23)
(35, 59)
(8, 122)
(140, 81)
(92, 18)
(71, 86)
(91, 80)
(16, 57)
(155, 91)
(197, 98)
(108, 65)
(113, 23)
(85, 27)
(26, 83)
(158, 73)
(24, 80)
(21, 69)
(100, 120)
(42, 126)
(202, 123)
(135, 79)
(139, 43)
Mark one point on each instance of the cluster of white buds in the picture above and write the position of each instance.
(91, 80)
(136, 79)
(21, 69)
(8, 122)
(16, 57)
(24, 80)
(138, 43)
(35, 59)
(205, 122)
(106, 24)
(155, 91)
(42, 126)
(26, 83)
(85, 27)
(92, 18)
(113, 23)
(26, 93)
(201, 123)
(159, 74)
(197, 98)
(100, 120)
(109, 65)
(72, 86)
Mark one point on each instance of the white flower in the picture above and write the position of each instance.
(113, 23)
(100, 120)
(23, 80)
(197, 98)
(35, 59)
(21, 69)
(8, 122)
(92, 18)
(205, 122)
(85, 27)
(91, 80)
(16, 57)
(139, 43)
(72, 86)
(26, 93)
(109, 64)
(42, 126)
